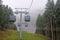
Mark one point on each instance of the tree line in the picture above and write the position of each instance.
(48, 24)
(5, 12)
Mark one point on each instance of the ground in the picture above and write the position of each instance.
(14, 35)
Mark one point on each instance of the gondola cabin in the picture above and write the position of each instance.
(27, 18)
(26, 25)
(12, 18)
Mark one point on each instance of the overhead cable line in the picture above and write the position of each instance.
(30, 6)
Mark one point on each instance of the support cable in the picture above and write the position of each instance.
(30, 6)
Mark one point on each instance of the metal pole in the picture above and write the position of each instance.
(20, 28)
(21, 25)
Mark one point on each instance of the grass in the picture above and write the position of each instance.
(14, 35)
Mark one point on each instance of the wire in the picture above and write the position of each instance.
(28, 9)
(30, 6)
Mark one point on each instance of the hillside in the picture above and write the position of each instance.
(14, 35)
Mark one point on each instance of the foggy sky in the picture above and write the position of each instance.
(25, 3)
(37, 4)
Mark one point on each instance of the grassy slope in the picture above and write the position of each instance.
(13, 35)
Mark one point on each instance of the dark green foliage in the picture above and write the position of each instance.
(5, 12)
(38, 20)
(39, 24)
(50, 20)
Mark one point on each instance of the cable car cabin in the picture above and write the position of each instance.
(26, 24)
(12, 18)
(27, 18)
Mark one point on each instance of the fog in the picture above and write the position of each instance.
(38, 7)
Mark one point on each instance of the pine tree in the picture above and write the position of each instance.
(48, 16)
(39, 25)
(57, 15)
(0, 2)
(5, 11)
